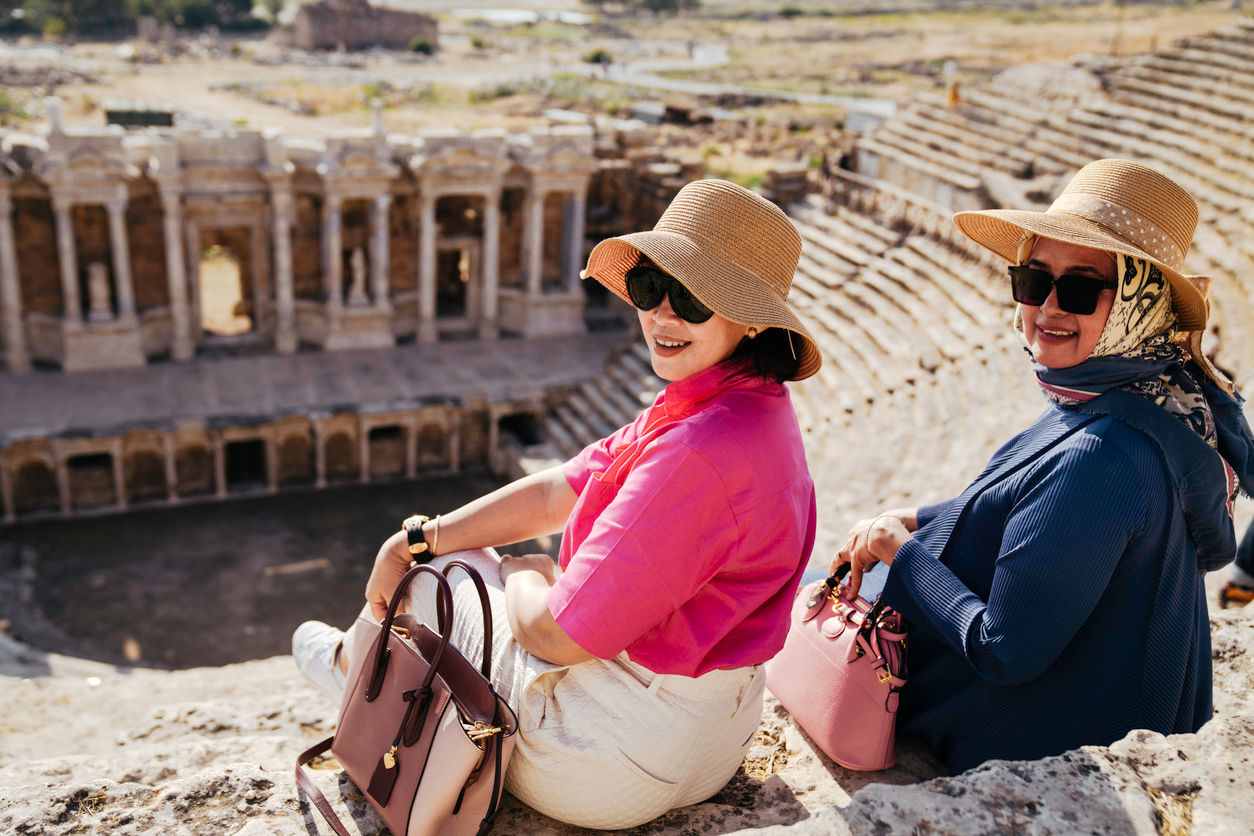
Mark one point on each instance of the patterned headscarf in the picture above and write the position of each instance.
(1140, 329)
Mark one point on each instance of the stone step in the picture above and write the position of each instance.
(1219, 96)
(854, 237)
(1171, 93)
(578, 434)
(895, 303)
(841, 253)
(984, 294)
(560, 437)
(926, 160)
(601, 425)
(845, 355)
(869, 224)
(933, 311)
(1176, 132)
(935, 127)
(624, 405)
(853, 311)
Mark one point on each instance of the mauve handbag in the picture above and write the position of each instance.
(422, 732)
(841, 671)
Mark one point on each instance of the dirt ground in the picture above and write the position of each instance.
(507, 75)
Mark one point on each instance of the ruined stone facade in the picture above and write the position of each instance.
(353, 241)
(356, 24)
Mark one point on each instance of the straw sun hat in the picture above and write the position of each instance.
(734, 249)
(1112, 205)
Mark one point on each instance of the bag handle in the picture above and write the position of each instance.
(378, 663)
(486, 665)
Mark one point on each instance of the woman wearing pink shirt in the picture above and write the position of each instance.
(636, 670)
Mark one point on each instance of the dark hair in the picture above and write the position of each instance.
(771, 354)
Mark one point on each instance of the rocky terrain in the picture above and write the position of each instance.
(93, 748)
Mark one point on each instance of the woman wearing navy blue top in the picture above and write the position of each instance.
(1058, 601)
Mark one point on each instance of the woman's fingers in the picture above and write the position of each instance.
(850, 547)
(390, 565)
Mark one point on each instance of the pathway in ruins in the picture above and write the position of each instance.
(52, 402)
(703, 56)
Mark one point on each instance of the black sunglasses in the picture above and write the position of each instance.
(1077, 294)
(646, 285)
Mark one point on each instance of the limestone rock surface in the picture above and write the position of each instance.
(92, 748)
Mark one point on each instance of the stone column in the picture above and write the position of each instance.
(183, 347)
(411, 448)
(16, 357)
(572, 240)
(320, 457)
(124, 286)
(363, 453)
(171, 467)
(284, 295)
(332, 254)
(63, 482)
(119, 475)
(454, 436)
(426, 269)
(73, 306)
(272, 461)
(533, 242)
(491, 256)
(219, 467)
(379, 250)
(7, 501)
(191, 254)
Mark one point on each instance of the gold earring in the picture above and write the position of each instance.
(753, 332)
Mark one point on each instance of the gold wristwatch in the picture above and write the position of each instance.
(413, 530)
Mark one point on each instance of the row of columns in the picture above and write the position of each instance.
(183, 347)
(115, 449)
(67, 255)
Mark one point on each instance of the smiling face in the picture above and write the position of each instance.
(1058, 339)
(679, 349)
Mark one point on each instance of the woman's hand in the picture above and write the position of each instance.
(870, 541)
(527, 580)
(390, 565)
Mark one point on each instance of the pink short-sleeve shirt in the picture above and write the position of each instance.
(691, 530)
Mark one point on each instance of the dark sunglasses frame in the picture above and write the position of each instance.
(646, 285)
(1077, 294)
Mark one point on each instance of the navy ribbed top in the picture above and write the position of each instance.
(1066, 607)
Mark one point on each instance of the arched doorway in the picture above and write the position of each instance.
(35, 488)
(387, 452)
(225, 310)
(91, 481)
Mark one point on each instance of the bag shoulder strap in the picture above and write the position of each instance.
(306, 784)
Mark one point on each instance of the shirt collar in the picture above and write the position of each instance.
(686, 396)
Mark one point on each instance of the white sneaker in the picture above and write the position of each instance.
(315, 648)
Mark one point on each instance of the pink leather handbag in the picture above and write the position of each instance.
(422, 732)
(841, 671)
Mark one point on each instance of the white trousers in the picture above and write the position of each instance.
(606, 743)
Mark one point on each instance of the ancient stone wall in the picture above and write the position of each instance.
(356, 24)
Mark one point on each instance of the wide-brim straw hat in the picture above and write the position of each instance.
(1113, 205)
(734, 249)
